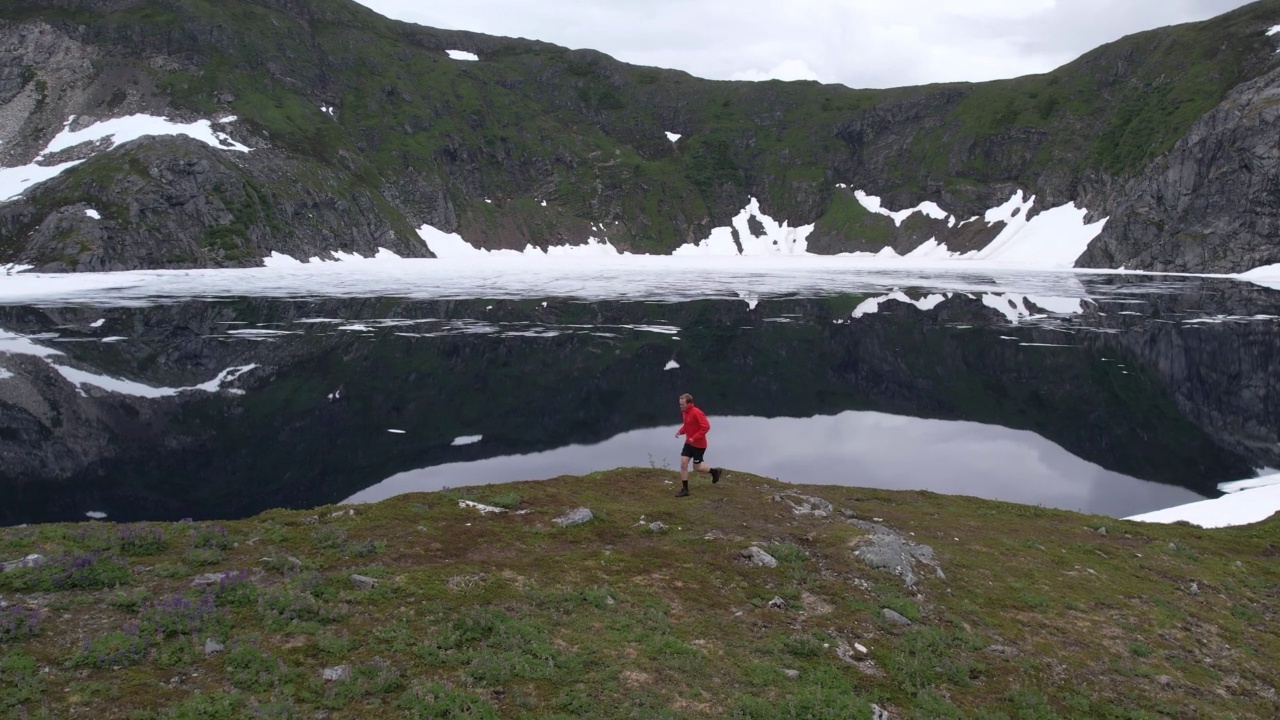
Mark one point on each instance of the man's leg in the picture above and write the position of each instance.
(715, 472)
(705, 468)
(684, 476)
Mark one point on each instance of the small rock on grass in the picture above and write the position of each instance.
(577, 516)
(211, 578)
(30, 561)
(212, 647)
(793, 674)
(341, 672)
(756, 556)
(894, 617)
(363, 582)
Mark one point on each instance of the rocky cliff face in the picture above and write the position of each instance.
(178, 203)
(362, 129)
(1210, 203)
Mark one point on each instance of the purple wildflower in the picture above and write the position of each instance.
(83, 571)
(211, 536)
(141, 540)
(177, 615)
(115, 649)
(17, 623)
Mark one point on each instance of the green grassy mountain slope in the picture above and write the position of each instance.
(479, 147)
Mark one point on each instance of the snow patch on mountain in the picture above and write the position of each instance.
(115, 131)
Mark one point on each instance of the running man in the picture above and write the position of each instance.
(694, 430)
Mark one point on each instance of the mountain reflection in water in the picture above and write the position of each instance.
(1111, 394)
(866, 449)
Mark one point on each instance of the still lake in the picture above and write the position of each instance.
(219, 394)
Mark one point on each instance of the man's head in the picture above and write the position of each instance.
(685, 400)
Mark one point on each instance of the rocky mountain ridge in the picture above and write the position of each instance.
(364, 129)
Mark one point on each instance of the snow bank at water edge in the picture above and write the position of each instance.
(1251, 505)
(451, 245)
(1051, 240)
(1266, 276)
(663, 278)
(776, 239)
(280, 260)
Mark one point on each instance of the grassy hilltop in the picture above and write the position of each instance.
(1014, 611)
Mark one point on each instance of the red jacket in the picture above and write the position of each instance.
(695, 426)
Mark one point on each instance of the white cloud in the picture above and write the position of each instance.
(859, 43)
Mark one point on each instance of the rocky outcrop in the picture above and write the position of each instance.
(43, 72)
(176, 202)
(1212, 204)
(166, 201)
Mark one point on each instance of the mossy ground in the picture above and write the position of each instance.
(508, 615)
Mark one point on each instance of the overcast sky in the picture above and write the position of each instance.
(859, 43)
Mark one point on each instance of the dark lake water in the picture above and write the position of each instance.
(1111, 394)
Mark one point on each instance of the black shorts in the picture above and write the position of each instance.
(690, 451)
